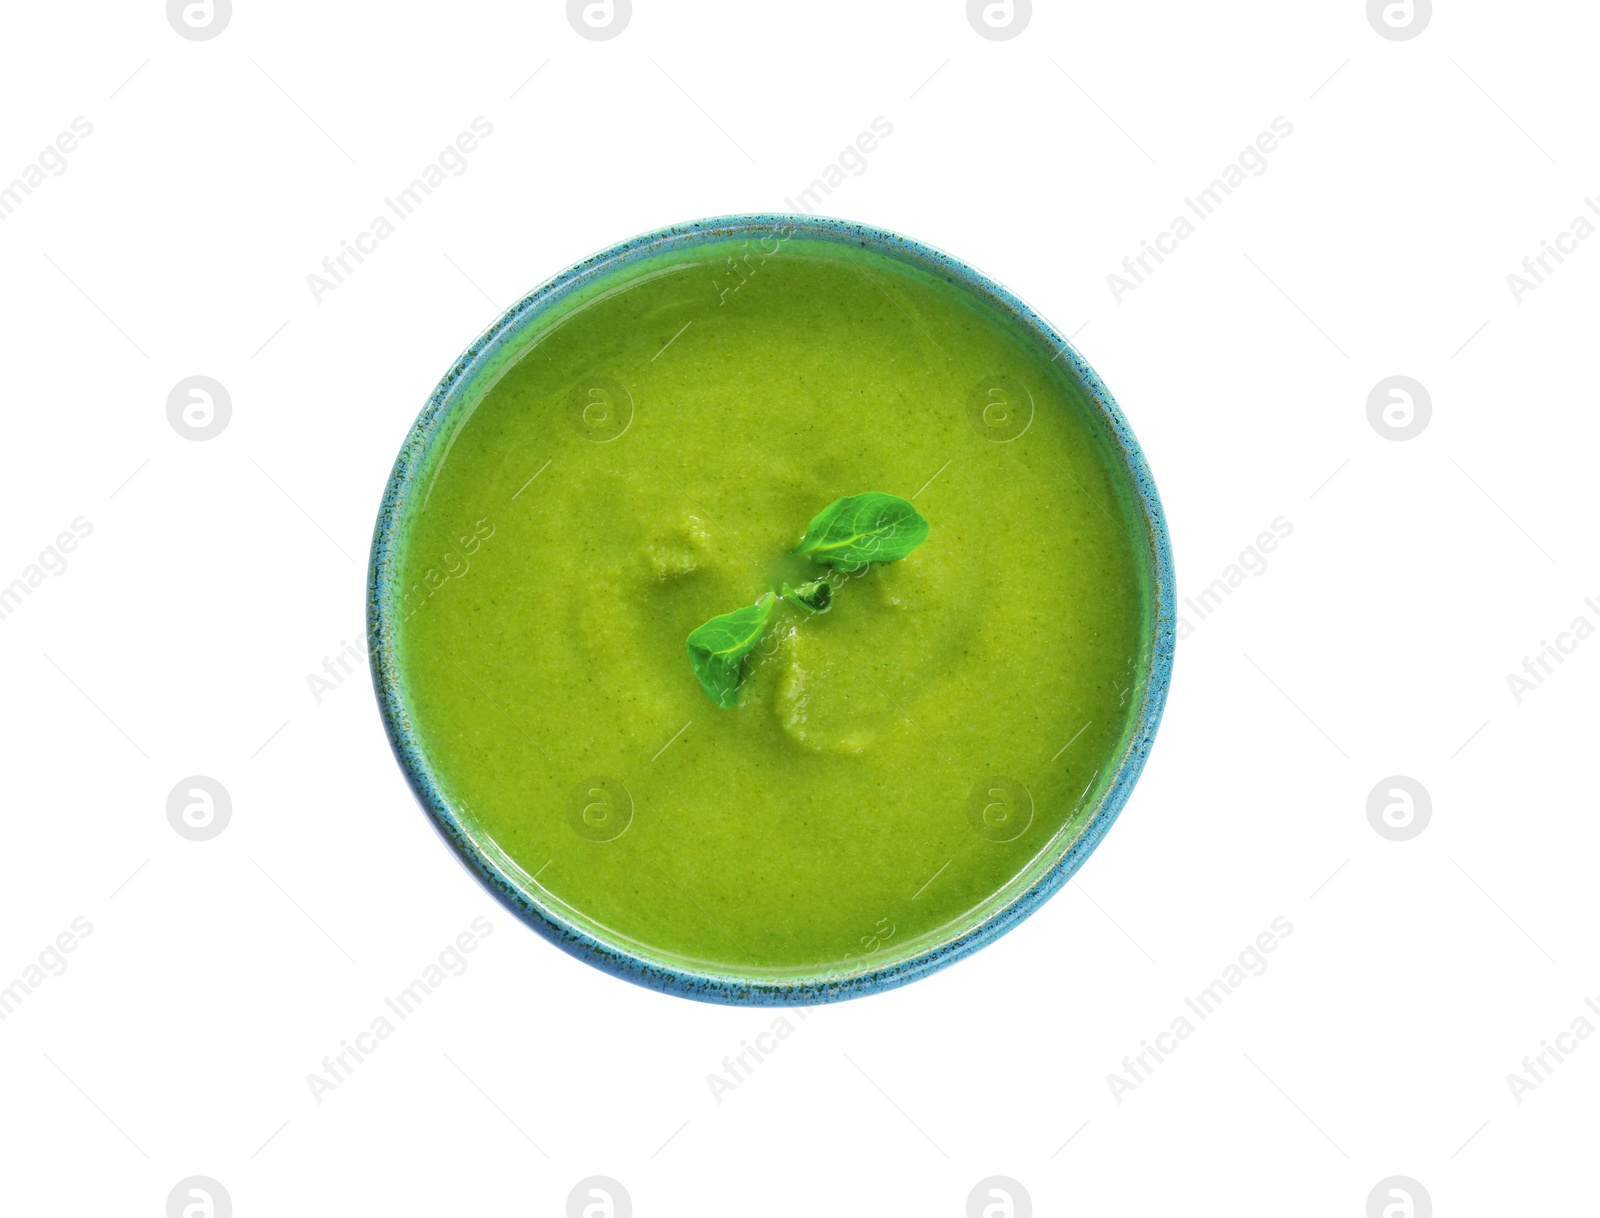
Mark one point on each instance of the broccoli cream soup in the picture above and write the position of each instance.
(861, 781)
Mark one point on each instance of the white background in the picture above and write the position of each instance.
(220, 574)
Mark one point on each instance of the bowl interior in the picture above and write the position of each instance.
(483, 362)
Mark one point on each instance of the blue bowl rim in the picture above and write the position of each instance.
(617, 959)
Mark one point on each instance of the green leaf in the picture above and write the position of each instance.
(816, 595)
(717, 649)
(860, 529)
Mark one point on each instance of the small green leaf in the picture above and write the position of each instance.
(717, 649)
(859, 529)
(816, 595)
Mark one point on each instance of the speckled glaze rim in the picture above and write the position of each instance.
(487, 862)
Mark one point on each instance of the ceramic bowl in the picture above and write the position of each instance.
(484, 859)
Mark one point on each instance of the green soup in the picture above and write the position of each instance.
(644, 457)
